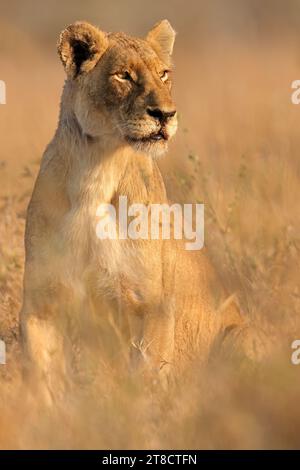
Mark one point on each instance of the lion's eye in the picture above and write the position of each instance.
(123, 76)
(164, 76)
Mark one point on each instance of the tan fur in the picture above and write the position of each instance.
(171, 297)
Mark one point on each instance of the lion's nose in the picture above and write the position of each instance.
(160, 114)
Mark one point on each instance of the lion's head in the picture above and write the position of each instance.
(121, 85)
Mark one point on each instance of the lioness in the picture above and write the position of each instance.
(116, 116)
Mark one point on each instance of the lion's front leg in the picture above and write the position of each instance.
(152, 342)
(44, 354)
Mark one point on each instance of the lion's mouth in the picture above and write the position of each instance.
(154, 137)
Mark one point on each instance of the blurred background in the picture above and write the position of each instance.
(237, 150)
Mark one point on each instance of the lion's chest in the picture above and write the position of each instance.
(96, 229)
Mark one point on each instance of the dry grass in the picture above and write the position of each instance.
(238, 151)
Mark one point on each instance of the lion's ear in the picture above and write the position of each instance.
(80, 46)
(162, 38)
